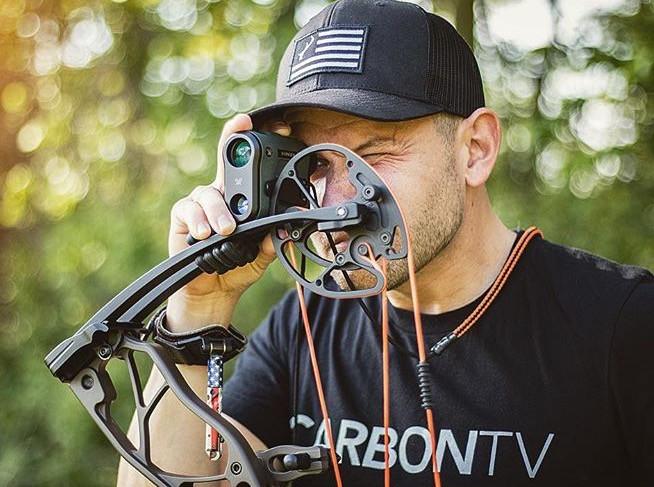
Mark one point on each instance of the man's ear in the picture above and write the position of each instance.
(482, 137)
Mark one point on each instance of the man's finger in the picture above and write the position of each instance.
(281, 128)
(278, 126)
(215, 209)
(188, 216)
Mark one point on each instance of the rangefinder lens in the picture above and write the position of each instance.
(240, 204)
(240, 153)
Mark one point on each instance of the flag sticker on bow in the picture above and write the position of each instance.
(328, 50)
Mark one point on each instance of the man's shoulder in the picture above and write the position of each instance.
(583, 264)
(582, 278)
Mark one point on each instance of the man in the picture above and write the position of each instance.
(553, 384)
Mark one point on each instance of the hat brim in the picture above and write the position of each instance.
(362, 103)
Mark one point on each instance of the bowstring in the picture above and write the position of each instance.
(422, 355)
(296, 370)
(316, 373)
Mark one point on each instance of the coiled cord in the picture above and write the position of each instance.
(424, 385)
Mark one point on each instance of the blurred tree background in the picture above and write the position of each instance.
(110, 112)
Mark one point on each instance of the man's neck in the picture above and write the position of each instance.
(464, 269)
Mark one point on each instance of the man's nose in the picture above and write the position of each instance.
(338, 187)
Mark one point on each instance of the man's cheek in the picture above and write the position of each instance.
(320, 244)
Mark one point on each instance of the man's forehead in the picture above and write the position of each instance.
(305, 117)
(316, 125)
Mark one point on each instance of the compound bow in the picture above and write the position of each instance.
(375, 228)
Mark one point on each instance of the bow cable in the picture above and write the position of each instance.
(386, 381)
(424, 375)
(316, 374)
(386, 408)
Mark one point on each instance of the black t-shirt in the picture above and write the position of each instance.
(554, 386)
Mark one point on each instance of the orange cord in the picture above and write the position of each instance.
(501, 279)
(420, 341)
(385, 365)
(422, 354)
(499, 282)
(386, 381)
(316, 376)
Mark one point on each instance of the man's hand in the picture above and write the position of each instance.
(210, 297)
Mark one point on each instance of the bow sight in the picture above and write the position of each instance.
(275, 195)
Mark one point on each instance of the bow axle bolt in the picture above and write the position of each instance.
(385, 238)
(236, 468)
(105, 351)
(341, 211)
(370, 193)
(296, 234)
(87, 382)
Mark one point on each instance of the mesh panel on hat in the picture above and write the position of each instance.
(453, 78)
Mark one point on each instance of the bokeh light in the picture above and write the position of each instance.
(111, 110)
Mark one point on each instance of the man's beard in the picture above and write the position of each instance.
(432, 227)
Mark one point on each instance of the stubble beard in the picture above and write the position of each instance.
(432, 225)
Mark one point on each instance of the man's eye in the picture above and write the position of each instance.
(320, 169)
(373, 155)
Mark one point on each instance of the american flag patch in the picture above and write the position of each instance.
(328, 50)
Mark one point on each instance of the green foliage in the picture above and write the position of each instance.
(577, 154)
(111, 111)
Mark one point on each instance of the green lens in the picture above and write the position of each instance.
(240, 154)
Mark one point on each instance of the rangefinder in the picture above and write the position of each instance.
(253, 161)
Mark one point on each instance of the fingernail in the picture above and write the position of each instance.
(242, 117)
(202, 228)
(225, 223)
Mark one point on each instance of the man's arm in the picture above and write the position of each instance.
(177, 435)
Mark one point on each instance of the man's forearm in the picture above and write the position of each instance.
(176, 434)
(185, 313)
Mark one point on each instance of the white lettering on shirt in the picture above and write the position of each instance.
(376, 444)
(493, 453)
(354, 438)
(532, 471)
(351, 442)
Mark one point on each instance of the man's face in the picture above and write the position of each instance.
(414, 160)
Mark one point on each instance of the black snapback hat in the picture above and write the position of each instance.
(377, 59)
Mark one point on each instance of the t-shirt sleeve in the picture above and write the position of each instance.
(632, 379)
(257, 394)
